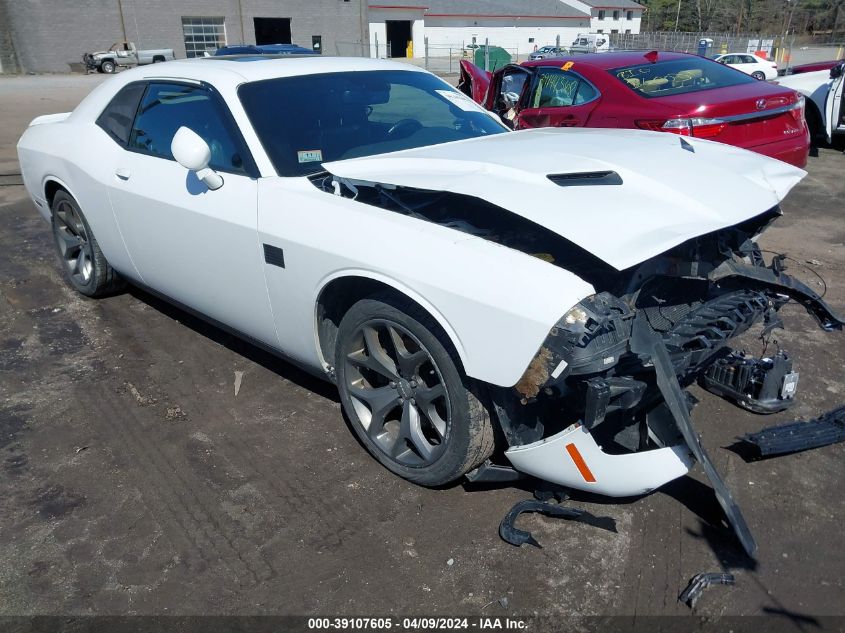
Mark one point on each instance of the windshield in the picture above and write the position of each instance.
(306, 120)
(679, 76)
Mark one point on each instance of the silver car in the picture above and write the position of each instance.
(547, 51)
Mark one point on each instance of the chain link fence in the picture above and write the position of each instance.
(439, 59)
(791, 51)
(788, 51)
(688, 42)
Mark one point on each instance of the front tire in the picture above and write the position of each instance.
(83, 263)
(107, 67)
(758, 75)
(406, 397)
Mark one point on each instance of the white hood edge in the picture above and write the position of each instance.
(669, 194)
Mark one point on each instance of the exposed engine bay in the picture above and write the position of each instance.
(603, 405)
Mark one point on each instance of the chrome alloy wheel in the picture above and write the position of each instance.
(398, 393)
(73, 243)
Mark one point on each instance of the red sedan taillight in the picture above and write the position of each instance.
(697, 127)
(797, 110)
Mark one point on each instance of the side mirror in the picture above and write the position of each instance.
(836, 71)
(193, 153)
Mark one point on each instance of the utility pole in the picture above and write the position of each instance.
(241, 16)
(122, 21)
(678, 16)
(791, 4)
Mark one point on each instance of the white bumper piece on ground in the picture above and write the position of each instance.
(572, 458)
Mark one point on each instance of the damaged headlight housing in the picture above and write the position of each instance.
(596, 333)
(588, 339)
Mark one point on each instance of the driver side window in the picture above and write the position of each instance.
(168, 106)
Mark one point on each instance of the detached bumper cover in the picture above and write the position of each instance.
(800, 436)
(572, 458)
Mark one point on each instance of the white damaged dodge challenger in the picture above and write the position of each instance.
(479, 314)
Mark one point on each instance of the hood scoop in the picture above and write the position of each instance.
(586, 179)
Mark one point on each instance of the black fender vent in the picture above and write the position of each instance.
(586, 179)
(274, 255)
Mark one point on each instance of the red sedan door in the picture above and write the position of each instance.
(557, 98)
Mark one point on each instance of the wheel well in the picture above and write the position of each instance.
(50, 189)
(158, 58)
(814, 119)
(341, 294)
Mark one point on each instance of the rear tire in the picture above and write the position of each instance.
(158, 59)
(83, 263)
(815, 125)
(758, 75)
(406, 397)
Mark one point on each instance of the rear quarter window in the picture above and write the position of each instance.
(679, 76)
(117, 118)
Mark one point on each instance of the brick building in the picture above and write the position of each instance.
(52, 35)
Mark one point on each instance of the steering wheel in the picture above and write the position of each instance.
(408, 125)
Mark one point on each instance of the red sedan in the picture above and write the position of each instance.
(661, 91)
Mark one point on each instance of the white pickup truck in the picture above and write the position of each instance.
(124, 54)
(823, 91)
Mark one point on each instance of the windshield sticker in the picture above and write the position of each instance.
(456, 98)
(567, 65)
(310, 156)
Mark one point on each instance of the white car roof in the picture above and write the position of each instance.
(226, 73)
(247, 68)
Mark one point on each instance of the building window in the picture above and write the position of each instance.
(629, 15)
(627, 31)
(203, 34)
(601, 14)
(614, 30)
(616, 15)
(599, 30)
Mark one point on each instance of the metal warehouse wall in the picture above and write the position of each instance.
(49, 35)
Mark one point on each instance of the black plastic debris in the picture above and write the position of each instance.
(761, 385)
(800, 436)
(513, 535)
(645, 341)
(493, 473)
(700, 582)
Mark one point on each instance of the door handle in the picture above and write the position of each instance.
(123, 173)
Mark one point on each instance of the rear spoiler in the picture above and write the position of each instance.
(49, 118)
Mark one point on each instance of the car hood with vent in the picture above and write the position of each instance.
(623, 195)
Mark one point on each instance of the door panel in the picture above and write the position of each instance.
(196, 246)
(570, 116)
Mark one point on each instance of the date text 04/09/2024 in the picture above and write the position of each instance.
(417, 623)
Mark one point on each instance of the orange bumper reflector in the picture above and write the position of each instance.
(580, 464)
